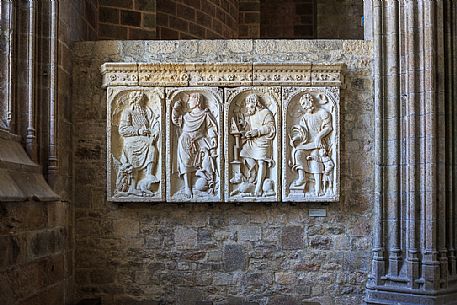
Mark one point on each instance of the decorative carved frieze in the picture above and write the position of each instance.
(227, 75)
(163, 75)
(220, 74)
(205, 133)
(282, 75)
(119, 74)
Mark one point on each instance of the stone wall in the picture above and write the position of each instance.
(223, 253)
(37, 238)
(35, 265)
(127, 19)
(341, 20)
(249, 19)
(200, 19)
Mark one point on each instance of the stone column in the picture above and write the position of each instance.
(7, 22)
(30, 84)
(414, 259)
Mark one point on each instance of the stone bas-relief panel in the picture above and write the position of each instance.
(252, 138)
(223, 132)
(194, 144)
(310, 144)
(135, 144)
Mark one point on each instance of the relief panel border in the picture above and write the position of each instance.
(111, 93)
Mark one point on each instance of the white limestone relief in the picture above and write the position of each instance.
(252, 121)
(135, 144)
(223, 132)
(194, 145)
(310, 144)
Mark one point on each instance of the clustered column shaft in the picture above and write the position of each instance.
(415, 95)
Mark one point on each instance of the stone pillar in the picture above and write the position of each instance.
(414, 259)
(7, 20)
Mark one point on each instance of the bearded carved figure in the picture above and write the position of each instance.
(139, 128)
(253, 131)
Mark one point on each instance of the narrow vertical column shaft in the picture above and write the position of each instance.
(31, 138)
(378, 261)
(53, 103)
(413, 170)
(392, 144)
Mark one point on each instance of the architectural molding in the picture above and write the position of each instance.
(222, 74)
(415, 225)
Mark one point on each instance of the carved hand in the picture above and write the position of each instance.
(145, 132)
(252, 133)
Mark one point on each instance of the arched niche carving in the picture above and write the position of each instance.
(252, 138)
(194, 144)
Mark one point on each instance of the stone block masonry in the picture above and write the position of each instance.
(223, 254)
(129, 19)
(200, 19)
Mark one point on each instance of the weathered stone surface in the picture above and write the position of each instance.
(185, 238)
(292, 238)
(234, 258)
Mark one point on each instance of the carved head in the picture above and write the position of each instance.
(307, 102)
(251, 103)
(136, 97)
(194, 101)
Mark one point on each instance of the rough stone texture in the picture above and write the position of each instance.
(224, 252)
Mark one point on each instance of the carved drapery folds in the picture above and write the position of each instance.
(222, 132)
(414, 258)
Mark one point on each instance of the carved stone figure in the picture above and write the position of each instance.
(140, 127)
(135, 145)
(257, 148)
(252, 129)
(306, 140)
(197, 147)
(311, 141)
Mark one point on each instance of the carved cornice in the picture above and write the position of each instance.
(225, 74)
(120, 74)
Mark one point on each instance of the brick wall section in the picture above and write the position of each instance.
(197, 19)
(249, 19)
(127, 19)
(287, 19)
(339, 19)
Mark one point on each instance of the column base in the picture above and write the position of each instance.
(382, 297)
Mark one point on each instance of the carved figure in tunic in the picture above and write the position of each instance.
(306, 139)
(328, 165)
(197, 145)
(140, 128)
(257, 149)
